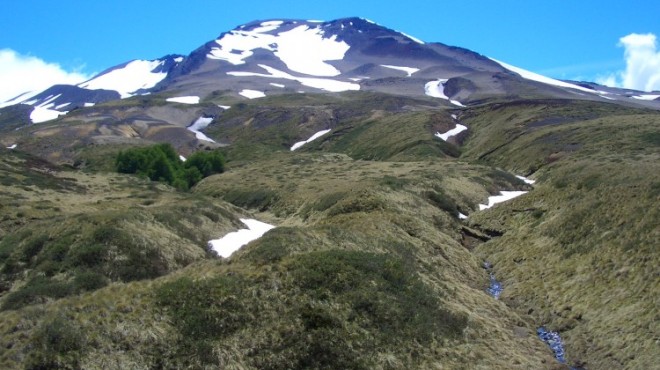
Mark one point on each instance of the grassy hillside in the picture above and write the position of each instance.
(369, 267)
(579, 252)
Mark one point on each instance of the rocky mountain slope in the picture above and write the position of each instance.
(374, 159)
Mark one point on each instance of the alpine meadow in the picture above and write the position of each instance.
(329, 195)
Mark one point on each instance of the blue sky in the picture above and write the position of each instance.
(561, 39)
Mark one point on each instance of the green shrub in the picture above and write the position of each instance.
(441, 200)
(384, 293)
(88, 255)
(261, 199)
(89, 281)
(35, 291)
(54, 345)
(161, 163)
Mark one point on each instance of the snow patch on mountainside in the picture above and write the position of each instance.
(646, 97)
(233, 241)
(200, 124)
(133, 76)
(303, 49)
(436, 89)
(408, 70)
(41, 114)
(453, 132)
(312, 138)
(13, 146)
(184, 99)
(44, 112)
(526, 180)
(539, 78)
(252, 94)
(503, 196)
(412, 38)
(318, 83)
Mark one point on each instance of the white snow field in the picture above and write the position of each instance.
(43, 111)
(408, 70)
(436, 89)
(315, 82)
(539, 78)
(184, 99)
(233, 241)
(252, 94)
(453, 132)
(41, 114)
(502, 197)
(200, 124)
(133, 76)
(303, 49)
(312, 138)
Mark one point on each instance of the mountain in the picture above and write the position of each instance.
(430, 208)
(280, 56)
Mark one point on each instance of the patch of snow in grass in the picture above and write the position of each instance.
(184, 99)
(225, 107)
(277, 85)
(133, 76)
(312, 138)
(233, 241)
(252, 94)
(87, 105)
(453, 132)
(408, 70)
(502, 197)
(454, 116)
(304, 49)
(61, 106)
(200, 124)
(526, 180)
(462, 216)
(13, 146)
(318, 83)
(182, 158)
(539, 78)
(40, 114)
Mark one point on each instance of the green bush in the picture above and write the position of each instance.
(161, 163)
(384, 293)
(36, 290)
(441, 200)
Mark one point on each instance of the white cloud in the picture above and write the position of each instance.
(642, 64)
(24, 73)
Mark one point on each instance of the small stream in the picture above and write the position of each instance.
(495, 287)
(551, 338)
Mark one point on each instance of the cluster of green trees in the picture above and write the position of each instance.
(160, 162)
